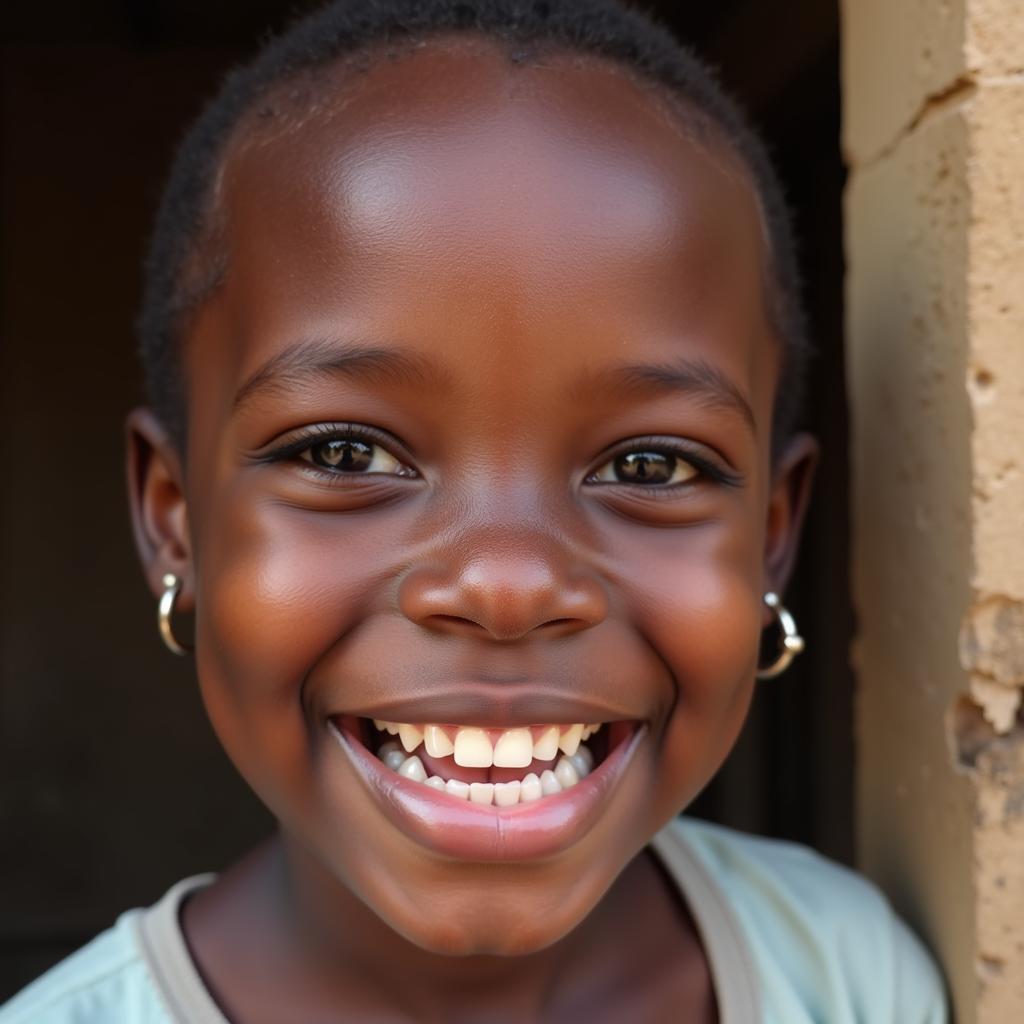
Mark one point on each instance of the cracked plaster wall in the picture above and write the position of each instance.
(934, 137)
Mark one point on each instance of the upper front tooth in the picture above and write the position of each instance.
(437, 741)
(473, 749)
(412, 736)
(570, 739)
(514, 749)
(546, 745)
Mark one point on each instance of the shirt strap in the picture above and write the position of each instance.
(733, 971)
(168, 960)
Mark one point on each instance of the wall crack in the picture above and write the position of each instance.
(956, 94)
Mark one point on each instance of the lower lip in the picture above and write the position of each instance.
(468, 831)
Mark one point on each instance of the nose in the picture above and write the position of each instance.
(504, 591)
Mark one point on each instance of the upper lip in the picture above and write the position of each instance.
(498, 705)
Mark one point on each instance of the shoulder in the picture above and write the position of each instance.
(133, 973)
(824, 938)
(105, 980)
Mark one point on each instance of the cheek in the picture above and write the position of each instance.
(278, 588)
(701, 611)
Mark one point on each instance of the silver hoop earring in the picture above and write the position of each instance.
(791, 643)
(172, 587)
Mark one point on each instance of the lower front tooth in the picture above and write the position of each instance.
(435, 782)
(549, 784)
(481, 792)
(412, 768)
(456, 787)
(507, 793)
(530, 790)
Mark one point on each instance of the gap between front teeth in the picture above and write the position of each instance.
(473, 747)
(569, 770)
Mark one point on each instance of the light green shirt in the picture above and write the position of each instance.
(791, 938)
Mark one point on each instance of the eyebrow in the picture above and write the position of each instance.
(695, 377)
(324, 359)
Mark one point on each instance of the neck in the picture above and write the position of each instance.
(279, 916)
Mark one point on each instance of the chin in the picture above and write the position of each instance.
(510, 934)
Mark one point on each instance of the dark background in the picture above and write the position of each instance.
(111, 783)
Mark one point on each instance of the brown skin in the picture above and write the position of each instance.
(520, 233)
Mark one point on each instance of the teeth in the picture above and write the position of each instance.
(394, 759)
(546, 745)
(473, 749)
(412, 736)
(581, 763)
(456, 787)
(565, 772)
(549, 784)
(412, 768)
(506, 794)
(514, 749)
(569, 741)
(436, 741)
(481, 792)
(530, 789)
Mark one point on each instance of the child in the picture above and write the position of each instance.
(474, 349)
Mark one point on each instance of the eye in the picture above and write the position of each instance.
(646, 467)
(352, 455)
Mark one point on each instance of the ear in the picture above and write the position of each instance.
(159, 512)
(787, 505)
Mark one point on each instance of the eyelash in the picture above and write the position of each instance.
(324, 432)
(321, 433)
(675, 449)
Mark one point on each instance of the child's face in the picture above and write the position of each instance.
(511, 277)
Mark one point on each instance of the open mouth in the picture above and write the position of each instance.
(486, 766)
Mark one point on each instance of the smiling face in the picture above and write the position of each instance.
(479, 435)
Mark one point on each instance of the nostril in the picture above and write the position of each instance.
(503, 596)
(441, 620)
(498, 631)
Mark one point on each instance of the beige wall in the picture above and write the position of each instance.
(934, 137)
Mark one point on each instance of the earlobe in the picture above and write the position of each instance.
(787, 505)
(158, 507)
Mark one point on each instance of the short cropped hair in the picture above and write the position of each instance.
(185, 262)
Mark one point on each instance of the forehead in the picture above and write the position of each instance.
(453, 193)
